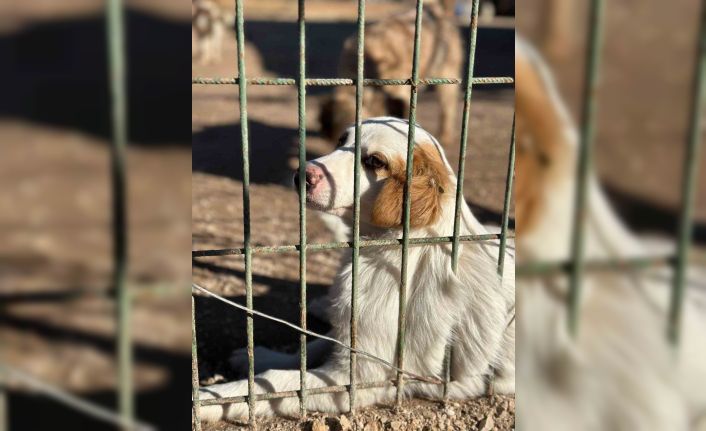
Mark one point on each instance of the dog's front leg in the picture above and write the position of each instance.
(284, 380)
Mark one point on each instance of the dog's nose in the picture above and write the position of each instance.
(314, 175)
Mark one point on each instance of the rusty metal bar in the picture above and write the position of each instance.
(339, 82)
(247, 249)
(585, 156)
(355, 270)
(115, 30)
(402, 316)
(507, 201)
(301, 99)
(455, 248)
(195, 405)
(344, 244)
(689, 185)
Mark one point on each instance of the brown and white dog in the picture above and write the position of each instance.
(388, 55)
(619, 373)
(473, 308)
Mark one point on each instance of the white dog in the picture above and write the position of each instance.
(473, 309)
(619, 373)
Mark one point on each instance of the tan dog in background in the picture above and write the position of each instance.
(209, 21)
(388, 55)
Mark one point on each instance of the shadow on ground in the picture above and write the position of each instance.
(166, 407)
(55, 73)
(217, 150)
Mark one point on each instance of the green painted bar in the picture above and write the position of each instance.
(116, 60)
(402, 316)
(472, 37)
(508, 199)
(339, 82)
(689, 183)
(242, 89)
(353, 363)
(4, 411)
(301, 98)
(344, 244)
(196, 405)
(585, 156)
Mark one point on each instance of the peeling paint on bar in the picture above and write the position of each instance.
(345, 244)
(407, 204)
(247, 249)
(689, 185)
(593, 58)
(355, 270)
(455, 248)
(336, 82)
(301, 100)
(507, 201)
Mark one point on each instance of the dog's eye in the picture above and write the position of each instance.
(374, 162)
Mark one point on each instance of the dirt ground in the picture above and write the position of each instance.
(217, 196)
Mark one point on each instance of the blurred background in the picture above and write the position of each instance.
(619, 372)
(56, 296)
(271, 35)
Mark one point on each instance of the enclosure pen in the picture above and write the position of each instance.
(301, 82)
(115, 37)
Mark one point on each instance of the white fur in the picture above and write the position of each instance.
(473, 309)
(619, 374)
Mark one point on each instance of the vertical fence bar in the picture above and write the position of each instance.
(196, 406)
(593, 57)
(4, 411)
(301, 96)
(402, 316)
(353, 364)
(691, 160)
(242, 90)
(508, 198)
(455, 247)
(116, 60)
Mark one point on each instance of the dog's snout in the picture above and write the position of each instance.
(314, 175)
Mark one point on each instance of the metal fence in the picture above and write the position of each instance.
(301, 82)
(124, 418)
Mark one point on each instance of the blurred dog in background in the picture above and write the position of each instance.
(388, 55)
(209, 21)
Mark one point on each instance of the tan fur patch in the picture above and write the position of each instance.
(430, 184)
(540, 141)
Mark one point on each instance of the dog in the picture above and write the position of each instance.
(619, 373)
(472, 309)
(388, 54)
(209, 21)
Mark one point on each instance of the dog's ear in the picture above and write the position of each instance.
(430, 185)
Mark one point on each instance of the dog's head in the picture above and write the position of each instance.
(383, 140)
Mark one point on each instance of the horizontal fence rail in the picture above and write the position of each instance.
(342, 82)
